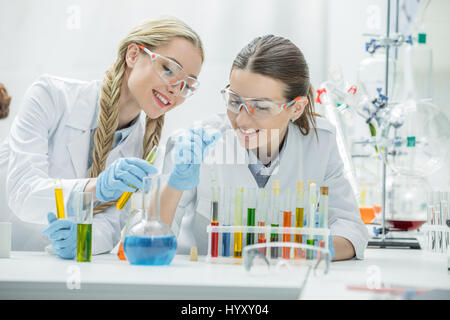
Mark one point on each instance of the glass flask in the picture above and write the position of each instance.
(414, 138)
(150, 242)
(406, 202)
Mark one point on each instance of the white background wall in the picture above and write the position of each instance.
(43, 37)
(79, 39)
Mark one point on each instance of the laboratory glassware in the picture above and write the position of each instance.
(83, 205)
(150, 242)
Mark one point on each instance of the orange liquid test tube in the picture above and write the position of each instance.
(286, 237)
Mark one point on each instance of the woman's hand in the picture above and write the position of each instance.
(63, 235)
(124, 174)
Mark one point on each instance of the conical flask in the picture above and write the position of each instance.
(150, 242)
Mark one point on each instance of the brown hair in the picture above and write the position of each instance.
(5, 100)
(151, 34)
(279, 58)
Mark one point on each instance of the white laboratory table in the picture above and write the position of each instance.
(39, 275)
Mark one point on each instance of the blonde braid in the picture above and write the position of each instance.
(153, 129)
(108, 121)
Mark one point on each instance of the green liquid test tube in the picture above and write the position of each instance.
(251, 213)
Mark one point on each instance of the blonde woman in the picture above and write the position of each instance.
(93, 135)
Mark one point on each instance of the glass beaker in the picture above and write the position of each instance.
(83, 217)
(150, 242)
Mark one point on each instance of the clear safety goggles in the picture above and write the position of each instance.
(256, 107)
(256, 263)
(172, 73)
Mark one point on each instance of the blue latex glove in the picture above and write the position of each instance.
(63, 235)
(118, 177)
(190, 150)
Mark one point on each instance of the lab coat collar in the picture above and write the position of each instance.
(81, 118)
(292, 149)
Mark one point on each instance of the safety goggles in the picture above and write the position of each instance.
(256, 263)
(256, 107)
(172, 73)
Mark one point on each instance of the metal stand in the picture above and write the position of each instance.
(399, 243)
(384, 241)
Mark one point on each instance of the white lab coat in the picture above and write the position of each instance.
(49, 139)
(303, 158)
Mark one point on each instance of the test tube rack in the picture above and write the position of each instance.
(320, 233)
(437, 228)
(436, 238)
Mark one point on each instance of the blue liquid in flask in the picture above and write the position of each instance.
(155, 250)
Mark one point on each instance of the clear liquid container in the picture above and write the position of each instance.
(150, 242)
(406, 202)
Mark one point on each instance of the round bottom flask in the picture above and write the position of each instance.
(150, 242)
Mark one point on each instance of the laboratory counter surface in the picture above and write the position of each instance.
(39, 275)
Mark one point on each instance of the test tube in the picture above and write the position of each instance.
(311, 217)
(262, 208)
(226, 204)
(445, 209)
(60, 214)
(299, 216)
(215, 221)
(437, 213)
(287, 216)
(442, 221)
(275, 214)
(323, 215)
(251, 212)
(238, 208)
(430, 209)
(126, 195)
(84, 216)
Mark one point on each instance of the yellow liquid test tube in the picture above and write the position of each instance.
(238, 222)
(299, 215)
(60, 213)
(126, 195)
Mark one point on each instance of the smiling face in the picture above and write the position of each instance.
(146, 88)
(261, 133)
